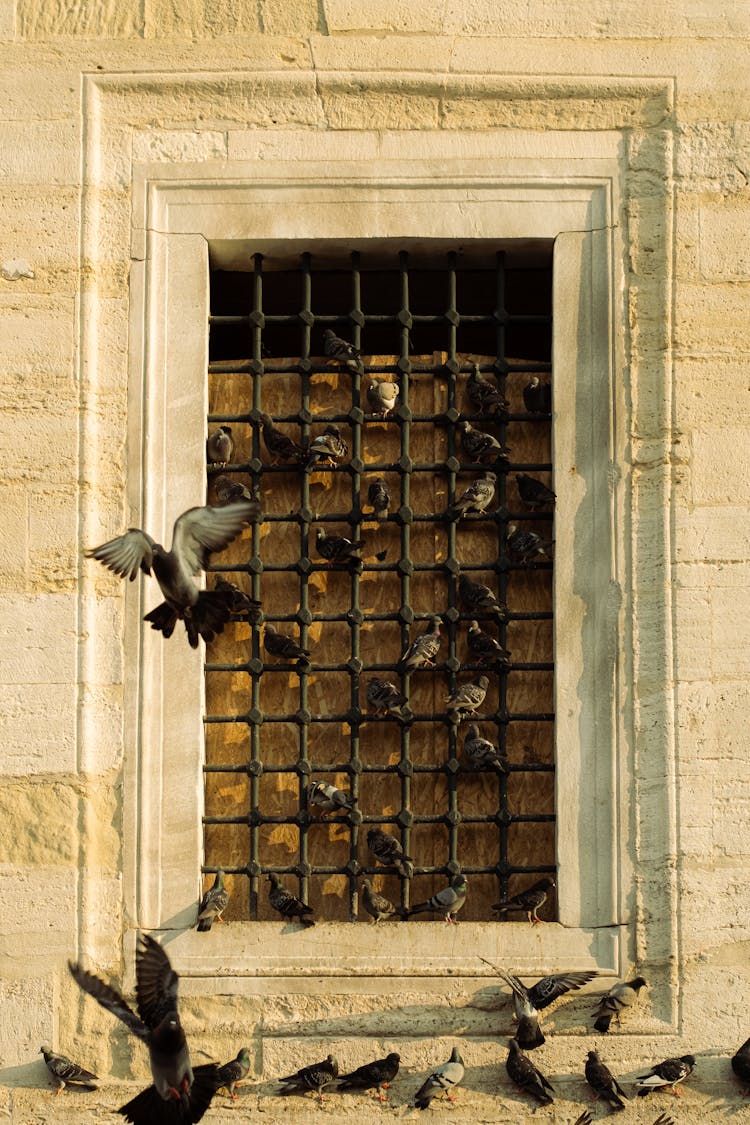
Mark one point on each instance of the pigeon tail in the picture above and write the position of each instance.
(602, 1024)
(163, 618)
(149, 1108)
(529, 1034)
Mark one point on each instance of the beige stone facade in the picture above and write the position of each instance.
(135, 136)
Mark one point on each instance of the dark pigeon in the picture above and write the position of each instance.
(467, 698)
(476, 596)
(337, 548)
(537, 397)
(281, 448)
(64, 1071)
(666, 1075)
(232, 1073)
(481, 447)
(485, 647)
(337, 348)
(239, 601)
(387, 850)
(313, 1078)
(377, 906)
(485, 397)
(528, 901)
(528, 1077)
(281, 646)
(229, 491)
(529, 1002)
(421, 652)
(383, 696)
(480, 753)
(372, 1076)
(603, 1082)
(533, 493)
(526, 546)
(741, 1064)
(379, 497)
(213, 904)
(287, 904)
(328, 448)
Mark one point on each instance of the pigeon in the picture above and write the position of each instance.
(379, 497)
(287, 904)
(383, 696)
(187, 1091)
(480, 753)
(603, 1082)
(484, 395)
(666, 1075)
(618, 998)
(465, 699)
(377, 906)
(336, 548)
(229, 491)
(280, 447)
(283, 647)
(529, 1002)
(741, 1064)
(537, 397)
(525, 545)
(220, 446)
(372, 1076)
(327, 798)
(533, 493)
(231, 1073)
(522, 1071)
(213, 904)
(441, 1081)
(197, 532)
(238, 600)
(476, 498)
(447, 902)
(65, 1071)
(382, 396)
(421, 653)
(479, 446)
(529, 900)
(337, 348)
(328, 448)
(315, 1078)
(475, 596)
(485, 648)
(388, 851)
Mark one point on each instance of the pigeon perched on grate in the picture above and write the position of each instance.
(377, 906)
(372, 1076)
(327, 798)
(741, 1064)
(528, 901)
(281, 448)
(476, 596)
(480, 753)
(665, 1076)
(526, 546)
(337, 348)
(537, 396)
(447, 902)
(382, 396)
(619, 997)
(197, 533)
(287, 904)
(528, 1077)
(213, 904)
(231, 1073)
(476, 498)
(238, 600)
(337, 548)
(421, 652)
(529, 1002)
(383, 696)
(220, 446)
(485, 647)
(485, 397)
(229, 491)
(313, 1078)
(283, 647)
(387, 850)
(533, 493)
(379, 498)
(441, 1081)
(467, 698)
(64, 1071)
(603, 1082)
(481, 447)
(328, 448)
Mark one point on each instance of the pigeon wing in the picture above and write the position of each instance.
(156, 982)
(127, 554)
(199, 531)
(109, 999)
(548, 989)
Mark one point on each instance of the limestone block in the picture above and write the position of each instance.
(557, 18)
(298, 144)
(177, 145)
(25, 449)
(722, 462)
(711, 320)
(15, 545)
(725, 242)
(52, 529)
(349, 104)
(381, 52)
(730, 632)
(38, 349)
(105, 19)
(41, 94)
(38, 640)
(7, 19)
(712, 534)
(42, 226)
(291, 17)
(200, 19)
(37, 728)
(54, 158)
(714, 391)
(29, 1019)
(713, 156)
(37, 917)
(386, 15)
(39, 824)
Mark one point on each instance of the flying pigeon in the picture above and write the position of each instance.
(281, 448)
(281, 646)
(383, 696)
(481, 447)
(213, 904)
(466, 698)
(447, 902)
(287, 904)
(379, 497)
(480, 753)
(382, 396)
(528, 1077)
(388, 851)
(229, 491)
(486, 648)
(372, 1076)
(327, 798)
(238, 600)
(328, 448)
(537, 397)
(220, 446)
(441, 1081)
(533, 493)
(529, 900)
(337, 348)
(525, 545)
(197, 532)
(529, 1002)
(476, 596)
(476, 498)
(337, 548)
(741, 1064)
(484, 395)
(65, 1071)
(187, 1091)
(666, 1075)
(232, 1073)
(421, 652)
(620, 997)
(377, 906)
(603, 1082)
(315, 1078)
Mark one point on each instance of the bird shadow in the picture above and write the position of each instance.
(32, 1074)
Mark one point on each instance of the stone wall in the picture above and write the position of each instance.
(104, 101)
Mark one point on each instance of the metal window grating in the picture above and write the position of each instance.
(313, 723)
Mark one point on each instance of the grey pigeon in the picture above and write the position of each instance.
(382, 396)
(383, 696)
(485, 647)
(188, 1092)
(480, 753)
(528, 901)
(379, 497)
(421, 652)
(372, 1076)
(65, 1071)
(526, 546)
(619, 997)
(313, 1078)
(238, 601)
(281, 646)
(528, 1077)
(229, 491)
(377, 906)
(213, 904)
(533, 493)
(287, 904)
(529, 1002)
(481, 447)
(196, 534)
(220, 446)
(231, 1073)
(476, 596)
(281, 448)
(447, 902)
(484, 395)
(328, 448)
(665, 1076)
(537, 396)
(603, 1082)
(388, 851)
(338, 348)
(337, 548)
(741, 1064)
(466, 698)
(441, 1081)
(476, 498)
(327, 798)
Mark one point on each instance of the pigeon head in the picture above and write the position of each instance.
(483, 682)
(593, 1056)
(491, 477)
(243, 1055)
(394, 1057)
(366, 883)
(473, 731)
(459, 883)
(45, 1050)
(534, 381)
(639, 982)
(274, 879)
(464, 426)
(512, 529)
(226, 430)
(455, 1056)
(689, 1060)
